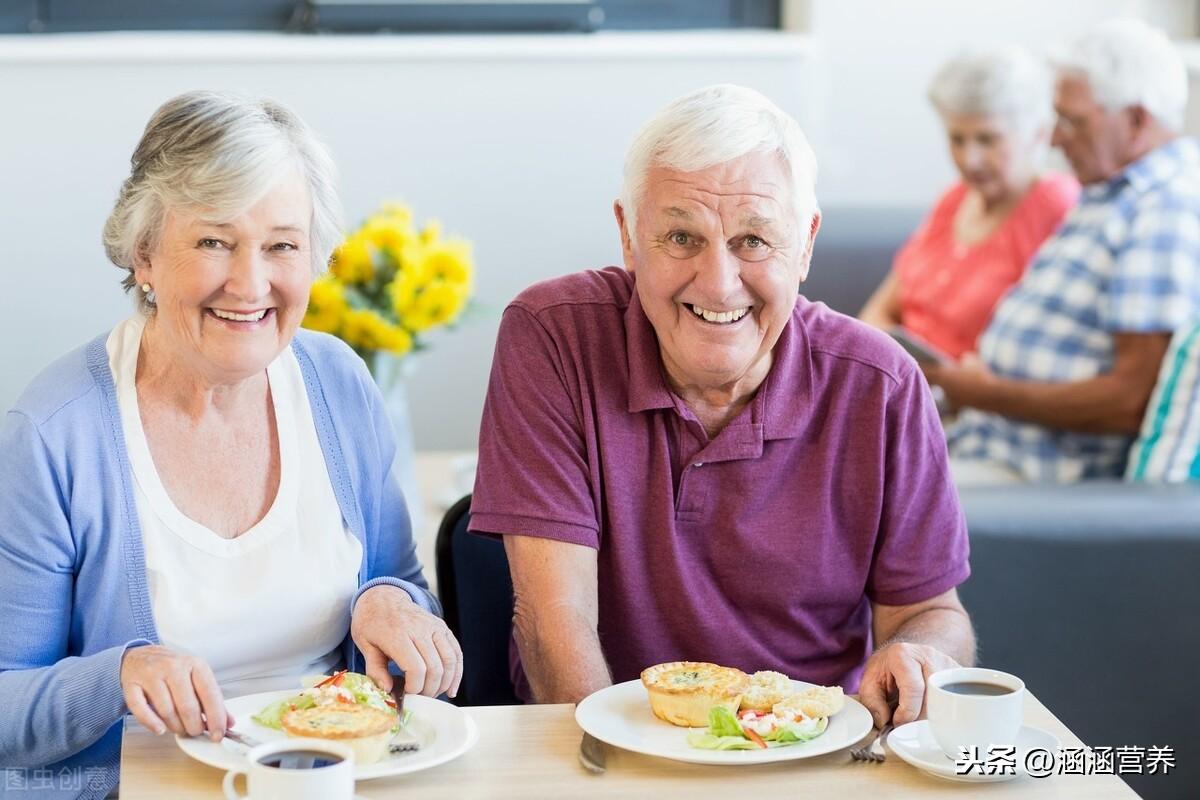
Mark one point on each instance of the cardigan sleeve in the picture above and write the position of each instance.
(392, 547)
(55, 703)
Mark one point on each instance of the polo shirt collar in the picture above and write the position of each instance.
(783, 402)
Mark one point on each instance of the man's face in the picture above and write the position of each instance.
(719, 259)
(1096, 141)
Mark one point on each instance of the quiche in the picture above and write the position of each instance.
(766, 689)
(365, 729)
(683, 692)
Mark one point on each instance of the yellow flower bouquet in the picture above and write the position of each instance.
(390, 283)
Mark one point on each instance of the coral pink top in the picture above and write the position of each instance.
(948, 290)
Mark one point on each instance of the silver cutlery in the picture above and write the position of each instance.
(874, 751)
(403, 740)
(241, 738)
(591, 754)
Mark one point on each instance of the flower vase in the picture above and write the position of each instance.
(391, 375)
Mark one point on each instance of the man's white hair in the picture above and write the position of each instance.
(711, 126)
(1126, 63)
(222, 153)
(1007, 84)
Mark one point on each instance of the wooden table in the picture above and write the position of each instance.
(530, 752)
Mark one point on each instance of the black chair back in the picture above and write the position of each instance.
(477, 600)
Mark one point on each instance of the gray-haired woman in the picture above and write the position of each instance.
(975, 244)
(200, 502)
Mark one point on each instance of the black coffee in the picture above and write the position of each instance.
(300, 759)
(975, 687)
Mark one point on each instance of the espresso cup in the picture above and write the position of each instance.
(974, 707)
(292, 769)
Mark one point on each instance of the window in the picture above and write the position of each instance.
(398, 16)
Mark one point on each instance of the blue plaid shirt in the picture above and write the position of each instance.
(1126, 260)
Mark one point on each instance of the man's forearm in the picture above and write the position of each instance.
(561, 655)
(946, 629)
(1105, 404)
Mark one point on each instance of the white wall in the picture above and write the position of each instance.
(514, 142)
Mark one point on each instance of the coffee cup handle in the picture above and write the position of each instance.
(231, 793)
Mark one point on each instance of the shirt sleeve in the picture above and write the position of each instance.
(1155, 285)
(922, 548)
(55, 703)
(534, 476)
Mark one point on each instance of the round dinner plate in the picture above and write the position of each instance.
(444, 731)
(620, 715)
(915, 744)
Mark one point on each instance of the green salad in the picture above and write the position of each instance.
(752, 730)
(347, 688)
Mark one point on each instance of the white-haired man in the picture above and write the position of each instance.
(689, 461)
(1066, 367)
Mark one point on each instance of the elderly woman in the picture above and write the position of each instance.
(200, 502)
(979, 237)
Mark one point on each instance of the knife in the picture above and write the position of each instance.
(591, 754)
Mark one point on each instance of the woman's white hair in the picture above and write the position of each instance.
(1007, 84)
(714, 125)
(220, 153)
(1129, 63)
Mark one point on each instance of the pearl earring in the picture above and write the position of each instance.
(146, 288)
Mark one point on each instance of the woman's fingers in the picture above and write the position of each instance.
(135, 700)
(187, 706)
(433, 664)
(212, 704)
(451, 657)
(159, 696)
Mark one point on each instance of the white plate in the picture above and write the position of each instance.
(445, 733)
(620, 715)
(915, 744)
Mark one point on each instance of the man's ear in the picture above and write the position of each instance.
(806, 259)
(626, 241)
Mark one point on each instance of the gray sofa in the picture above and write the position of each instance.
(1091, 593)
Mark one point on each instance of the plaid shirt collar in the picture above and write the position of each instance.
(1151, 170)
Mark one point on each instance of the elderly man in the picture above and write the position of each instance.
(687, 460)
(1067, 365)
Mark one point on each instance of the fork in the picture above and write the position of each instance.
(874, 751)
(403, 741)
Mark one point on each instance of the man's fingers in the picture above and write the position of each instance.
(910, 681)
(873, 696)
(377, 666)
(135, 700)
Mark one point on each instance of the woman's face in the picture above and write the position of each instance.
(229, 295)
(991, 158)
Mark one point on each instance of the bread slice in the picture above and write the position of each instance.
(365, 729)
(683, 692)
(766, 689)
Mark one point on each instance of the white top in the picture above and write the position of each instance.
(273, 603)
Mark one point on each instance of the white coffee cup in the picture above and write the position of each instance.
(961, 716)
(292, 769)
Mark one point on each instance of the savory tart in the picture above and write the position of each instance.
(366, 730)
(815, 701)
(766, 689)
(683, 692)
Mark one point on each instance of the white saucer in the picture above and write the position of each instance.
(915, 744)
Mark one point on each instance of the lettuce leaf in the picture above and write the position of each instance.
(706, 741)
(272, 715)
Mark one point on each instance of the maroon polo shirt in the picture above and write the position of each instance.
(761, 548)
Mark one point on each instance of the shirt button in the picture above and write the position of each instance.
(698, 464)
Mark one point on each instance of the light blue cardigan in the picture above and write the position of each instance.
(73, 590)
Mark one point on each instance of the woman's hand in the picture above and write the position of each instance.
(387, 624)
(166, 690)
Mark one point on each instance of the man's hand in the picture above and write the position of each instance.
(170, 691)
(895, 675)
(963, 382)
(387, 624)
